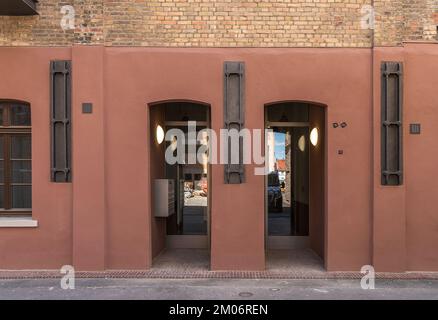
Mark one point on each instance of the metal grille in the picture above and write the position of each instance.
(60, 113)
(391, 119)
(234, 115)
(415, 128)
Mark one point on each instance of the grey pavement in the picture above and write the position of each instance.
(170, 289)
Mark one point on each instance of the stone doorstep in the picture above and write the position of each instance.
(178, 274)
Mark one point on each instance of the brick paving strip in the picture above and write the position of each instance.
(178, 274)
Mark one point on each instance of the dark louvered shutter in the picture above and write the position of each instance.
(234, 115)
(60, 114)
(391, 118)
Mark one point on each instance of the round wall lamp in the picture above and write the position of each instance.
(314, 136)
(160, 134)
(302, 143)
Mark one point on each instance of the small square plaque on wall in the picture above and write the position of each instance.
(87, 107)
(415, 128)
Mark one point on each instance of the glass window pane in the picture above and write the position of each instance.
(2, 171)
(2, 139)
(21, 197)
(20, 115)
(185, 111)
(1, 115)
(288, 181)
(21, 171)
(289, 112)
(21, 147)
(2, 195)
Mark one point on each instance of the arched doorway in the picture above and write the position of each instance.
(294, 185)
(181, 188)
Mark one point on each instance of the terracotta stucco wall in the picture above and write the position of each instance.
(103, 219)
(405, 217)
(88, 159)
(421, 157)
(389, 210)
(139, 76)
(26, 77)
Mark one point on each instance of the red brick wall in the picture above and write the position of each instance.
(224, 23)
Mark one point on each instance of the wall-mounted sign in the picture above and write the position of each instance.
(415, 128)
